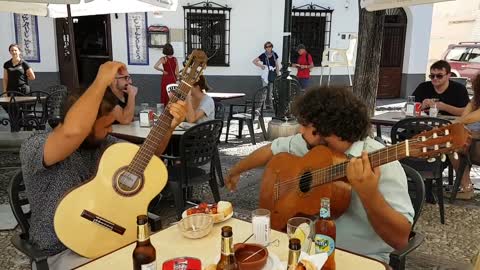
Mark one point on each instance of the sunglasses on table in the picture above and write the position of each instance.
(438, 76)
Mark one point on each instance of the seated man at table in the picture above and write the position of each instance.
(452, 97)
(380, 214)
(53, 162)
(125, 93)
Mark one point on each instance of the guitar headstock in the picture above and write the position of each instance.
(197, 62)
(443, 140)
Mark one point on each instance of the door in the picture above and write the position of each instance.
(67, 62)
(390, 77)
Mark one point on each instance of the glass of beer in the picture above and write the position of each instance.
(301, 228)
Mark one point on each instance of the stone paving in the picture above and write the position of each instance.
(450, 246)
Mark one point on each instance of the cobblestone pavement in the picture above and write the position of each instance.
(451, 245)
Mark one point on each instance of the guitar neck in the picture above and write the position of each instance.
(377, 158)
(158, 131)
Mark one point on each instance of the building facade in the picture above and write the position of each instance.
(233, 33)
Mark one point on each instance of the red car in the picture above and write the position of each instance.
(464, 58)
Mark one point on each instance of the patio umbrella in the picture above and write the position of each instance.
(59, 8)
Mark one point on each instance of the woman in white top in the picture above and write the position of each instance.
(200, 106)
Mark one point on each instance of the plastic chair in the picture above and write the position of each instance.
(250, 111)
(409, 127)
(336, 57)
(171, 87)
(198, 146)
(220, 115)
(19, 203)
(54, 104)
(416, 190)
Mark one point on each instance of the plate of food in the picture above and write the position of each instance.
(220, 211)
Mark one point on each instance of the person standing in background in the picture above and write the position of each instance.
(168, 65)
(268, 62)
(304, 64)
(17, 72)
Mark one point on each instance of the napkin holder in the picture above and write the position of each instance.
(145, 118)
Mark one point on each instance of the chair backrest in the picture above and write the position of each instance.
(462, 80)
(258, 101)
(416, 190)
(40, 107)
(219, 111)
(352, 48)
(54, 104)
(55, 88)
(13, 110)
(409, 127)
(19, 202)
(199, 143)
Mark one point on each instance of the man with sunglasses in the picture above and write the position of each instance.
(450, 97)
(125, 92)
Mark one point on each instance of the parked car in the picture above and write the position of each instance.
(464, 58)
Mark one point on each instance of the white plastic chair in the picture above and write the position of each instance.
(171, 87)
(336, 57)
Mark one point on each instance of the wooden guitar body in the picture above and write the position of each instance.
(289, 188)
(110, 222)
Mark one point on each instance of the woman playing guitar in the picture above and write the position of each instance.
(380, 213)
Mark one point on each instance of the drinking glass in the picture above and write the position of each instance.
(303, 229)
(261, 226)
(433, 112)
(144, 106)
(160, 108)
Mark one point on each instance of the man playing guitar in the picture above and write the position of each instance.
(380, 214)
(55, 161)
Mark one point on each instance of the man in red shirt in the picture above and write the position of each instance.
(304, 64)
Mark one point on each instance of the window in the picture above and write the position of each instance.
(207, 27)
(474, 55)
(311, 26)
(456, 54)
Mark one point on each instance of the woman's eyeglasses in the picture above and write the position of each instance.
(438, 76)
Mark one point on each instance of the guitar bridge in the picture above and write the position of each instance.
(103, 222)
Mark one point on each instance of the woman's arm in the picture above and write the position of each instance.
(177, 69)
(5, 80)
(158, 65)
(469, 116)
(256, 61)
(192, 114)
(30, 74)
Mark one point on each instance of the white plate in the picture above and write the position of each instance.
(184, 215)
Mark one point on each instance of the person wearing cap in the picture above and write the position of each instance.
(303, 65)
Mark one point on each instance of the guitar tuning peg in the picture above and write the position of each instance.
(455, 155)
(430, 160)
(443, 158)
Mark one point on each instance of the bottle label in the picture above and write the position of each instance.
(324, 212)
(149, 266)
(324, 244)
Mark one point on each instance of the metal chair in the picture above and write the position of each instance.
(54, 104)
(250, 111)
(217, 165)
(35, 115)
(409, 127)
(13, 110)
(198, 146)
(416, 190)
(472, 157)
(19, 203)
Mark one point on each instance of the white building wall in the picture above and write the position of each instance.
(252, 23)
(47, 42)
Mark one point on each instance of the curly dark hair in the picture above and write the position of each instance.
(476, 92)
(333, 111)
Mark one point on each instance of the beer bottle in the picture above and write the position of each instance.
(144, 255)
(325, 234)
(227, 258)
(294, 249)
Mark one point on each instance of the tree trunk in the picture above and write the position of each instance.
(369, 52)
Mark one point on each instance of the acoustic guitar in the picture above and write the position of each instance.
(293, 186)
(99, 216)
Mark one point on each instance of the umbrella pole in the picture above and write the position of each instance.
(73, 50)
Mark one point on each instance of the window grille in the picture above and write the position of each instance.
(311, 26)
(207, 27)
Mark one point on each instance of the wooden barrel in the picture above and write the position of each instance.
(278, 128)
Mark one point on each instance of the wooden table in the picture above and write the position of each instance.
(390, 118)
(217, 96)
(170, 243)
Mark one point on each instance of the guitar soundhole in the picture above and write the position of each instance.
(305, 182)
(127, 183)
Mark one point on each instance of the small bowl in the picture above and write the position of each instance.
(257, 262)
(196, 226)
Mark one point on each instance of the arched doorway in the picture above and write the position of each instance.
(393, 47)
